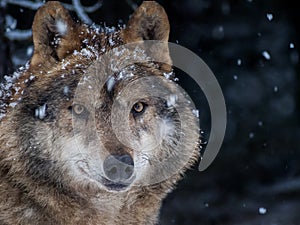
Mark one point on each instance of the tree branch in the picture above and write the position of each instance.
(18, 35)
(132, 4)
(36, 5)
(80, 10)
(26, 4)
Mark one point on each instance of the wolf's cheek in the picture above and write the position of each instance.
(82, 162)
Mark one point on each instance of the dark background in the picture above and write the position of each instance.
(255, 178)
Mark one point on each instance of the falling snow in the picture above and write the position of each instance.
(266, 55)
(262, 210)
(251, 135)
(270, 16)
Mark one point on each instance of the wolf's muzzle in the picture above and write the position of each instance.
(118, 169)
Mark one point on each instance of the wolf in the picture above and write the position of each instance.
(80, 145)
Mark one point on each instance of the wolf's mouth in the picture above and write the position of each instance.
(114, 186)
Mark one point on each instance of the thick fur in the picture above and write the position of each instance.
(49, 173)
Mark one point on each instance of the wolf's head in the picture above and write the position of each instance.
(101, 113)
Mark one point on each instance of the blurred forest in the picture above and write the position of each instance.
(252, 46)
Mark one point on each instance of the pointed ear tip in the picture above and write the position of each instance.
(152, 6)
(51, 7)
(50, 11)
(52, 4)
(148, 13)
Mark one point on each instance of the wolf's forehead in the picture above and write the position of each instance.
(95, 43)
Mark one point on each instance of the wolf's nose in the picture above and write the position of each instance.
(118, 168)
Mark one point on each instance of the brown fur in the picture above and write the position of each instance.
(37, 181)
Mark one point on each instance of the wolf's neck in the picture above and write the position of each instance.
(139, 206)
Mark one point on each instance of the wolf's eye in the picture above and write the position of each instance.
(78, 109)
(138, 107)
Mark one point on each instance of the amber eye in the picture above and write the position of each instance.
(138, 107)
(78, 109)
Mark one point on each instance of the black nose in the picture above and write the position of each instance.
(118, 168)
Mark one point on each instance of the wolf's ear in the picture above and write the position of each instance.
(53, 34)
(148, 22)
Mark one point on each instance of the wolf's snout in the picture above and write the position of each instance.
(118, 168)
